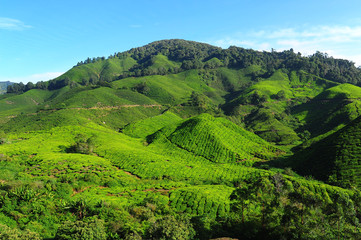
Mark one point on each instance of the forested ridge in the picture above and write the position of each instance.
(194, 55)
(184, 140)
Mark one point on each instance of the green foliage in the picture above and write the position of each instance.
(212, 200)
(82, 145)
(102, 152)
(91, 229)
(199, 100)
(142, 88)
(216, 139)
(7, 233)
(280, 208)
(25, 103)
(149, 126)
(281, 95)
(334, 159)
(170, 227)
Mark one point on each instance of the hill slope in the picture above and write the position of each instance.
(216, 139)
(335, 159)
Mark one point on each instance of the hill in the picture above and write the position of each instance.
(329, 111)
(334, 159)
(216, 139)
(178, 140)
(250, 87)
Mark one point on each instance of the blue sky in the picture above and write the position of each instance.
(40, 40)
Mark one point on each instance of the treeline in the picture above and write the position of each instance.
(97, 59)
(21, 87)
(49, 85)
(54, 84)
(195, 55)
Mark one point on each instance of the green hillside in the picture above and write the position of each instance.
(148, 126)
(102, 69)
(335, 159)
(184, 140)
(82, 173)
(330, 110)
(25, 103)
(216, 139)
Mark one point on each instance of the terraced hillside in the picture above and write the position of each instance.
(216, 139)
(335, 159)
(178, 139)
(329, 111)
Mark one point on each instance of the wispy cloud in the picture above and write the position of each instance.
(135, 26)
(228, 41)
(321, 33)
(338, 41)
(33, 77)
(12, 24)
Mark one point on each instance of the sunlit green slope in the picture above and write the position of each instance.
(149, 126)
(267, 105)
(26, 103)
(216, 139)
(330, 110)
(103, 69)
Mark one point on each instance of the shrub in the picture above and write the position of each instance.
(90, 230)
(7, 233)
(172, 228)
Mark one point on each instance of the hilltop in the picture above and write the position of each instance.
(179, 140)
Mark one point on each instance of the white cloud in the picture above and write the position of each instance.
(12, 24)
(135, 26)
(233, 42)
(33, 78)
(338, 41)
(282, 33)
(341, 33)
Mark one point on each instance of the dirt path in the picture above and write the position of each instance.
(130, 174)
(118, 107)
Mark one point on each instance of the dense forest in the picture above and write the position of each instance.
(184, 140)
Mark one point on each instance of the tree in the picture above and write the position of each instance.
(172, 228)
(281, 95)
(29, 86)
(7, 233)
(142, 88)
(80, 230)
(41, 85)
(198, 100)
(257, 99)
(82, 145)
